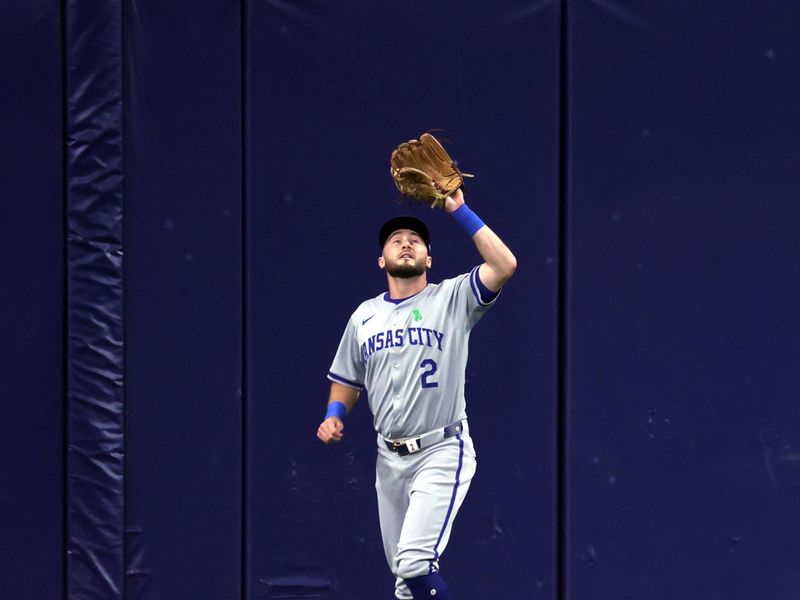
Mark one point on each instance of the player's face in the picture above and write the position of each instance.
(405, 255)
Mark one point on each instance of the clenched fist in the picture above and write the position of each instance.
(330, 430)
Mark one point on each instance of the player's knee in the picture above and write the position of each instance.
(428, 587)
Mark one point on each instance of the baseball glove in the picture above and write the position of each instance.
(422, 170)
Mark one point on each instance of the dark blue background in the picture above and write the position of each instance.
(683, 345)
(31, 302)
(634, 389)
(183, 205)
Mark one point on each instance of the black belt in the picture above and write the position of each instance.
(412, 445)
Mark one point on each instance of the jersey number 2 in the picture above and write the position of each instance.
(426, 375)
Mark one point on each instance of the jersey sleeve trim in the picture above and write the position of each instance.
(339, 379)
(484, 295)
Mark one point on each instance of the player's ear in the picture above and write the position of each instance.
(430, 262)
(381, 262)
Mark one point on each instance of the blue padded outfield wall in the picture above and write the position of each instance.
(32, 297)
(683, 340)
(183, 226)
(189, 209)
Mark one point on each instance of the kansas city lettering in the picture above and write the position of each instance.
(396, 338)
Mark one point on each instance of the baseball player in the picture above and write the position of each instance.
(408, 348)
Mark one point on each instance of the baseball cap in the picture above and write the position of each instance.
(404, 222)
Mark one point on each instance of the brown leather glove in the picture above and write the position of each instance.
(422, 170)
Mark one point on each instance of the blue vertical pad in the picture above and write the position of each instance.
(183, 300)
(93, 44)
(31, 302)
(685, 282)
(331, 89)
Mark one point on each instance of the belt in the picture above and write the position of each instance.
(412, 445)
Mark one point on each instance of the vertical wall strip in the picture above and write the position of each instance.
(65, 279)
(245, 312)
(563, 309)
(95, 395)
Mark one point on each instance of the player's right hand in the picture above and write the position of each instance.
(330, 430)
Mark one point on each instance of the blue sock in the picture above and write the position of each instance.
(422, 588)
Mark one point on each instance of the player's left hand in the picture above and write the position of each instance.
(452, 202)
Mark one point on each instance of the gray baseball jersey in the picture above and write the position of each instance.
(411, 355)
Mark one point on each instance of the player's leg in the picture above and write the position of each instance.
(438, 488)
(391, 485)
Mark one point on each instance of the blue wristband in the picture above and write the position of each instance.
(467, 219)
(336, 409)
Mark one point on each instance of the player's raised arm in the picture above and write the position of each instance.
(341, 401)
(500, 261)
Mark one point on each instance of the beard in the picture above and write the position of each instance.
(405, 271)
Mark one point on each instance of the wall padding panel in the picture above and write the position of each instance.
(31, 302)
(183, 300)
(684, 282)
